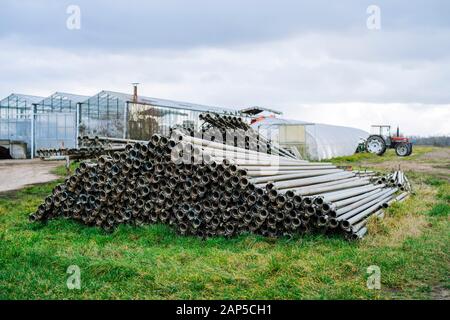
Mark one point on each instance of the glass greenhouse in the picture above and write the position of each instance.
(115, 114)
(60, 102)
(40, 122)
(15, 117)
(55, 121)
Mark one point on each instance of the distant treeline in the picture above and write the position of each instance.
(438, 141)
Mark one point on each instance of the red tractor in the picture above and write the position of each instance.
(381, 139)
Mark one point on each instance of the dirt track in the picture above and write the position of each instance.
(16, 174)
(436, 163)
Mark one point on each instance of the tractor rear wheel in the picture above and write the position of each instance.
(376, 144)
(403, 149)
(410, 149)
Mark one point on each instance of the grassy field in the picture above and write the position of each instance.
(411, 246)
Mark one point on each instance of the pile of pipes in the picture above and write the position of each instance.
(232, 130)
(207, 189)
(72, 153)
(104, 142)
(395, 179)
(88, 148)
(223, 122)
(365, 173)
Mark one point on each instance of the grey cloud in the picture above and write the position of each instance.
(274, 73)
(117, 25)
(306, 58)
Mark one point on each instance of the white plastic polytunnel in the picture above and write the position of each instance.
(328, 141)
(315, 141)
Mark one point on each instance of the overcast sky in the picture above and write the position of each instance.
(313, 60)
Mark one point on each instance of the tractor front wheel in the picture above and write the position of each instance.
(376, 144)
(403, 149)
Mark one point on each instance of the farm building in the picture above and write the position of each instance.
(315, 141)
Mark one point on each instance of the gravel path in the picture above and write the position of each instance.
(436, 163)
(16, 174)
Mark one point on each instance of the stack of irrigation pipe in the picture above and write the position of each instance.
(88, 148)
(205, 188)
(365, 173)
(95, 141)
(234, 131)
(77, 153)
(223, 121)
(396, 178)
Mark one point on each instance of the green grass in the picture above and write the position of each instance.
(358, 157)
(410, 246)
(389, 155)
(432, 181)
(440, 209)
(62, 170)
(443, 193)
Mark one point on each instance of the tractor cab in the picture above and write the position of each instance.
(382, 131)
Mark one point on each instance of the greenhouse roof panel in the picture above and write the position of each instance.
(124, 97)
(69, 96)
(62, 99)
(183, 105)
(23, 99)
(270, 121)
